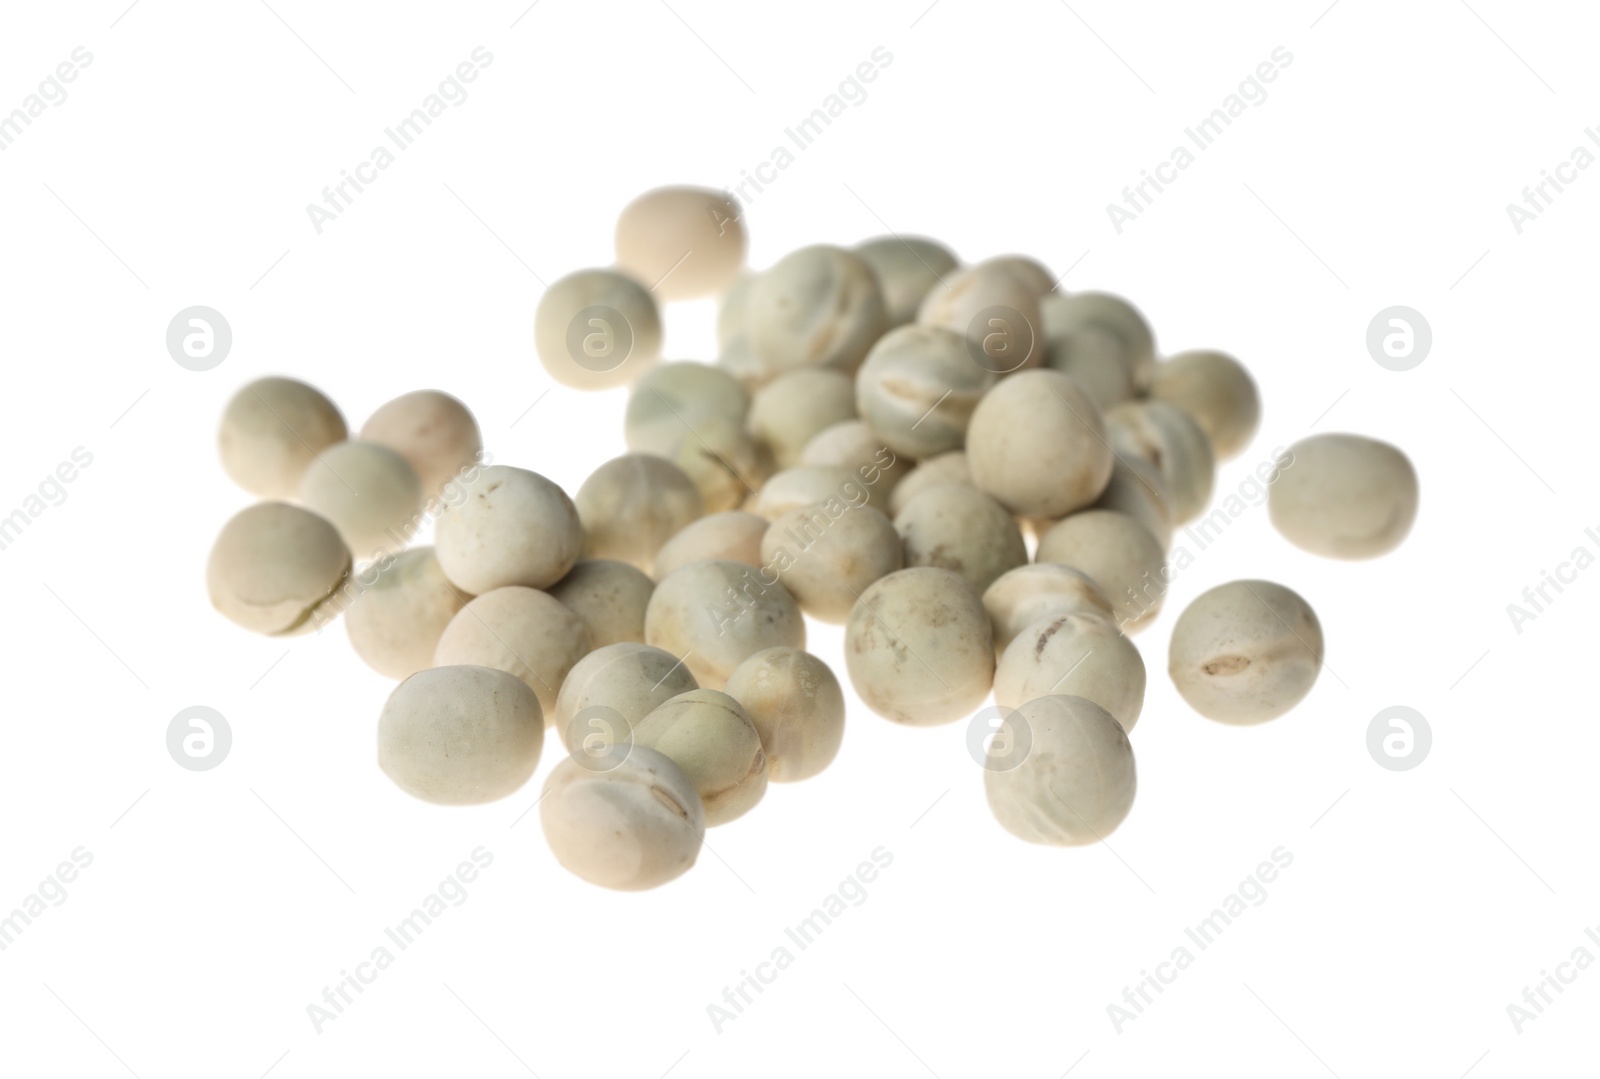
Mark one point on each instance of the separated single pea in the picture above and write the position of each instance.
(682, 242)
(1245, 652)
(717, 614)
(272, 431)
(1075, 781)
(460, 735)
(632, 504)
(433, 431)
(395, 622)
(1343, 496)
(596, 329)
(630, 820)
(511, 527)
(710, 736)
(1080, 654)
(610, 597)
(918, 647)
(1037, 445)
(274, 568)
(797, 707)
(522, 631)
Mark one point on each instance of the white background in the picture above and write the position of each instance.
(1419, 904)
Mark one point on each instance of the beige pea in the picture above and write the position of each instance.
(949, 467)
(1096, 356)
(733, 310)
(1343, 496)
(917, 389)
(1169, 438)
(855, 446)
(819, 306)
(827, 554)
(1245, 652)
(369, 493)
(802, 485)
(512, 526)
(723, 460)
(907, 269)
(433, 431)
(632, 504)
(729, 536)
(597, 329)
(1040, 590)
(610, 597)
(274, 567)
(1083, 655)
(1217, 391)
(738, 359)
(918, 647)
(797, 707)
(1076, 783)
(1026, 270)
(1037, 445)
(272, 431)
(996, 310)
(633, 823)
(788, 411)
(673, 399)
(682, 242)
(1119, 554)
(522, 631)
(614, 687)
(1138, 489)
(460, 735)
(1082, 311)
(395, 622)
(710, 736)
(718, 614)
(959, 528)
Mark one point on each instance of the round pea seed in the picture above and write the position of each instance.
(1094, 355)
(738, 359)
(1108, 313)
(395, 622)
(1245, 652)
(368, 492)
(682, 242)
(1343, 496)
(918, 647)
(949, 467)
(632, 826)
(959, 528)
(718, 614)
(272, 431)
(512, 527)
(1037, 445)
(907, 269)
(996, 310)
(788, 411)
(1217, 391)
(522, 631)
(723, 461)
(460, 735)
(274, 566)
(1119, 554)
(609, 596)
(670, 402)
(819, 306)
(597, 329)
(917, 389)
(1026, 270)
(1083, 655)
(433, 431)
(710, 736)
(1041, 590)
(613, 688)
(797, 707)
(854, 445)
(1169, 438)
(1138, 489)
(1076, 784)
(730, 536)
(828, 554)
(632, 504)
